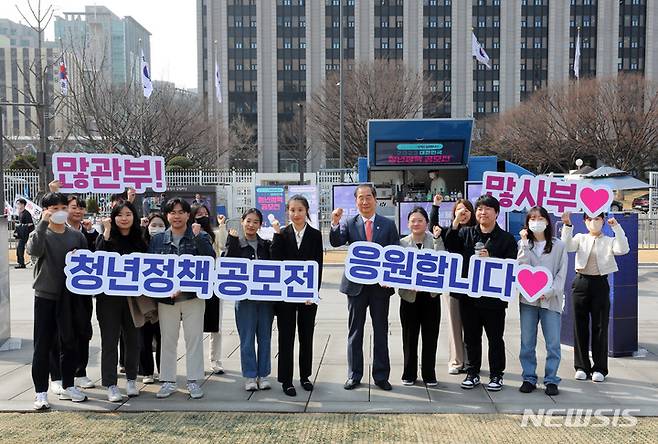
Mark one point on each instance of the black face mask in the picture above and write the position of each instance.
(204, 221)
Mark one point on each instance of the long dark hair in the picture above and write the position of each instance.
(421, 211)
(548, 232)
(206, 227)
(301, 199)
(135, 234)
(469, 206)
(147, 236)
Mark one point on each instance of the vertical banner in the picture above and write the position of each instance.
(271, 201)
(310, 192)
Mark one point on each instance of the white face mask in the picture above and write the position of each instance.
(59, 217)
(156, 230)
(594, 226)
(537, 226)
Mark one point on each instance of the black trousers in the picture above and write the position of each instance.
(114, 318)
(86, 306)
(476, 318)
(421, 317)
(20, 251)
(46, 338)
(591, 299)
(287, 315)
(84, 309)
(149, 332)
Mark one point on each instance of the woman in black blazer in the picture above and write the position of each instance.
(297, 241)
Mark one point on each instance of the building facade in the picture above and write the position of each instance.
(274, 54)
(111, 44)
(19, 52)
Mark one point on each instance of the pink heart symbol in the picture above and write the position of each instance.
(594, 199)
(532, 282)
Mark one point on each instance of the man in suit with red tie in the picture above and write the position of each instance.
(366, 226)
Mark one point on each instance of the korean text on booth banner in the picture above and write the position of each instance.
(161, 275)
(108, 173)
(440, 271)
(556, 195)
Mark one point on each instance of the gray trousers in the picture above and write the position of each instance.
(114, 319)
(373, 297)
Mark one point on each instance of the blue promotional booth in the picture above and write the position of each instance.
(410, 160)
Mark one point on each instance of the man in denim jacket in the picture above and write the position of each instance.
(181, 238)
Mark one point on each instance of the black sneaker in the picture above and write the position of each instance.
(527, 387)
(470, 381)
(495, 384)
(551, 390)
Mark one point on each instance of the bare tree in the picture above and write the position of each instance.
(37, 78)
(377, 90)
(612, 119)
(242, 144)
(116, 118)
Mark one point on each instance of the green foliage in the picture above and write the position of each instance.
(24, 162)
(179, 163)
(92, 206)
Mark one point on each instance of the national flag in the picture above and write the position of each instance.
(146, 77)
(479, 53)
(576, 59)
(218, 84)
(63, 78)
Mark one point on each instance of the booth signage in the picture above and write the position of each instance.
(425, 153)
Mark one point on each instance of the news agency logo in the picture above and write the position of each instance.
(579, 418)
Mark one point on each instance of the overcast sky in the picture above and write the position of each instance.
(172, 25)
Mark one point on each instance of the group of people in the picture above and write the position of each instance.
(131, 327)
(474, 231)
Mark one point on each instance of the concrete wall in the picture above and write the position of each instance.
(5, 317)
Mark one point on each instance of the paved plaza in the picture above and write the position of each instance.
(632, 383)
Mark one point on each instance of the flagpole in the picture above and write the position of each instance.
(141, 103)
(217, 113)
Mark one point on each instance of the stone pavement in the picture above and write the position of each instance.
(633, 382)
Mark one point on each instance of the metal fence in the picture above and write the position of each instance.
(647, 231)
(26, 183)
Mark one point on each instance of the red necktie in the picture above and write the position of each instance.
(369, 230)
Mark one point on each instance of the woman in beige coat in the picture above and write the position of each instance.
(420, 311)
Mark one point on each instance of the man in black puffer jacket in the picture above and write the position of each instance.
(485, 312)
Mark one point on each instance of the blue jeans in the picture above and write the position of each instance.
(550, 326)
(254, 321)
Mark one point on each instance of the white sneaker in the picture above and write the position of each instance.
(166, 390)
(148, 379)
(264, 384)
(580, 375)
(72, 394)
(41, 401)
(250, 385)
(56, 387)
(131, 388)
(84, 382)
(453, 370)
(216, 367)
(598, 377)
(195, 390)
(113, 394)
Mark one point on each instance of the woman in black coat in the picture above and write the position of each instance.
(298, 241)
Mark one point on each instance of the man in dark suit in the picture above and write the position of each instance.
(24, 226)
(366, 226)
